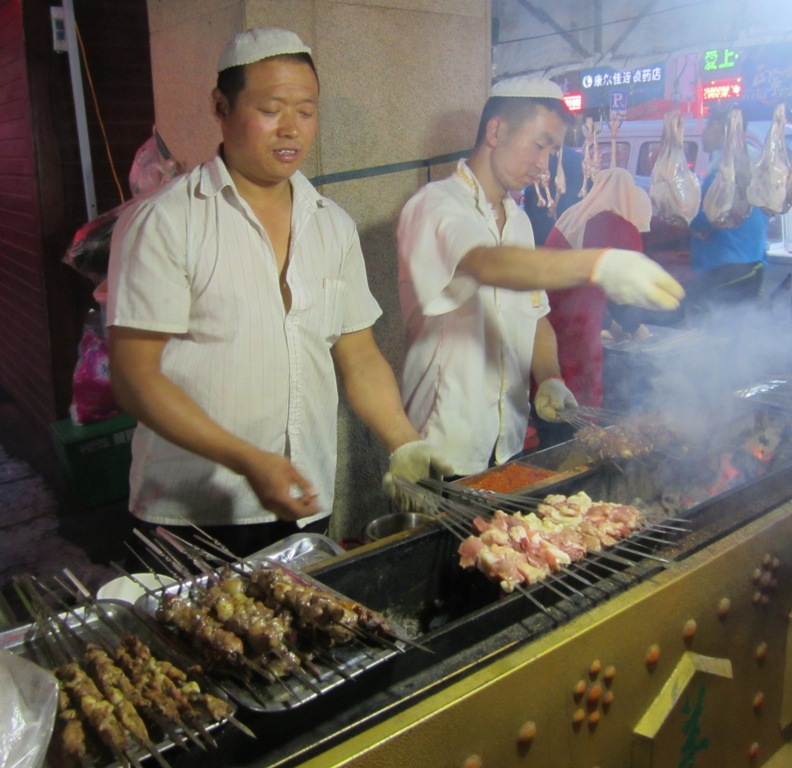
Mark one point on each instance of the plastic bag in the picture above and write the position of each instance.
(675, 190)
(152, 167)
(92, 394)
(768, 187)
(726, 204)
(89, 252)
(27, 711)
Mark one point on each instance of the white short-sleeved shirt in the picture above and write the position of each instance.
(192, 261)
(467, 365)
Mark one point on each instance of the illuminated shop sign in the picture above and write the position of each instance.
(724, 58)
(605, 77)
(729, 88)
(574, 101)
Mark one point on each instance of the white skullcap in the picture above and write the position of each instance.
(258, 44)
(527, 87)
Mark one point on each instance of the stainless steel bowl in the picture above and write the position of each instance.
(396, 522)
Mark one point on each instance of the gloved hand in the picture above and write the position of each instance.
(552, 397)
(414, 461)
(629, 277)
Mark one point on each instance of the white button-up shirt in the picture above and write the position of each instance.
(193, 261)
(468, 346)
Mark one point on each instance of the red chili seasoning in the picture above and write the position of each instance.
(508, 478)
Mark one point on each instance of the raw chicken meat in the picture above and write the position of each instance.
(517, 549)
(591, 154)
(768, 187)
(675, 189)
(560, 179)
(725, 204)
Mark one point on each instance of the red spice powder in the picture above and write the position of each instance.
(508, 478)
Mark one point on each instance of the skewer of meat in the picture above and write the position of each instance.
(95, 677)
(209, 636)
(318, 612)
(108, 714)
(164, 686)
(161, 678)
(265, 632)
(68, 745)
(96, 710)
(516, 549)
(190, 689)
(100, 660)
(150, 701)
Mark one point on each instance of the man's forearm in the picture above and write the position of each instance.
(375, 398)
(544, 363)
(523, 269)
(371, 389)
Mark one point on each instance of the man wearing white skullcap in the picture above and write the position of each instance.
(237, 294)
(471, 286)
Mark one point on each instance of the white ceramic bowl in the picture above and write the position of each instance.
(127, 590)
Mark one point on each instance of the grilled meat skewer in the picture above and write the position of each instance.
(333, 618)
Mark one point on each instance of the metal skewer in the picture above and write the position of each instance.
(62, 636)
(120, 631)
(100, 640)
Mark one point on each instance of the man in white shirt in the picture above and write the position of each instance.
(237, 293)
(471, 286)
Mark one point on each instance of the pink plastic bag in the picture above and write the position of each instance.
(92, 394)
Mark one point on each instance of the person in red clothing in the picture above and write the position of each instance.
(612, 215)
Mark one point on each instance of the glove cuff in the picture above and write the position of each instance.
(404, 448)
(595, 265)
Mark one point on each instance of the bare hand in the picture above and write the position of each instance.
(280, 488)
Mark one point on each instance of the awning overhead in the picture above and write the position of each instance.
(555, 36)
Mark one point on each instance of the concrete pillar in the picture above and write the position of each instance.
(401, 80)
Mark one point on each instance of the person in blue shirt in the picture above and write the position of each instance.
(728, 263)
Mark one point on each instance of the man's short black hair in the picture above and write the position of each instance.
(515, 110)
(231, 81)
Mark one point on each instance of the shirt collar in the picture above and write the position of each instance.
(215, 177)
(468, 178)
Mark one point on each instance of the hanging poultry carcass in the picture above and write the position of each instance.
(768, 186)
(788, 201)
(560, 181)
(725, 202)
(615, 124)
(675, 190)
(591, 155)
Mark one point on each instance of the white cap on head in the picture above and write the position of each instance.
(527, 87)
(258, 44)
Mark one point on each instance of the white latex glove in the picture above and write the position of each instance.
(629, 277)
(552, 397)
(414, 461)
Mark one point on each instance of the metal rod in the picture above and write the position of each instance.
(75, 71)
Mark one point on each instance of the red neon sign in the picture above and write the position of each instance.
(574, 101)
(729, 88)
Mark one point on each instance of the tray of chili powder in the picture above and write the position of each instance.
(508, 478)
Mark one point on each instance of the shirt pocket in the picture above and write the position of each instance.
(334, 295)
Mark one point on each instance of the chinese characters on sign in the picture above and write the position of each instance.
(625, 77)
(724, 59)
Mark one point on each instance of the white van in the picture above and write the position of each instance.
(638, 143)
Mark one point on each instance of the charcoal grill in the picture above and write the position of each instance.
(716, 612)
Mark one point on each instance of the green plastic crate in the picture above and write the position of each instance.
(96, 458)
